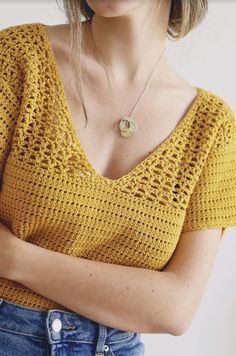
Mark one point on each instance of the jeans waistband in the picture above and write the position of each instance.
(57, 325)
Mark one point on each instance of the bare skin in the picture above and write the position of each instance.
(156, 118)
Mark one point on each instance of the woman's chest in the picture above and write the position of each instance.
(108, 152)
(52, 196)
(88, 219)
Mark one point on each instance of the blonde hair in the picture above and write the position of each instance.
(184, 16)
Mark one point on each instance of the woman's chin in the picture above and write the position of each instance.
(114, 8)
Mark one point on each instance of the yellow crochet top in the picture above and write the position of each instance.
(51, 196)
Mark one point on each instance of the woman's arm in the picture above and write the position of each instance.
(126, 298)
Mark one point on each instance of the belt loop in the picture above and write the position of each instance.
(102, 335)
(52, 334)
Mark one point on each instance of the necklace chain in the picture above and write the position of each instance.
(127, 125)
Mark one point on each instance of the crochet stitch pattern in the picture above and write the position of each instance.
(51, 196)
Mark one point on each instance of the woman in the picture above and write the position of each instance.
(109, 229)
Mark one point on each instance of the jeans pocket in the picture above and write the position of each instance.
(15, 344)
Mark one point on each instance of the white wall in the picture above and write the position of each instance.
(206, 58)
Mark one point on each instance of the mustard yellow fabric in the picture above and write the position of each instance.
(51, 196)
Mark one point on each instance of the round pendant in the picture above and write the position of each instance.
(127, 126)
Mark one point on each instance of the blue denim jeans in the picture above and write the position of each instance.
(28, 331)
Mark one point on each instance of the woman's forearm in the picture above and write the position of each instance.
(122, 297)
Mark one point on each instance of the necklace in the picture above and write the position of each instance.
(127, 124)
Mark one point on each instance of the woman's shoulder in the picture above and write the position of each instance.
(216, 106)
(18, 39)
(17, 50)
(220, 116)
(15, 32)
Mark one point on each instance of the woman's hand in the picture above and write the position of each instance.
(9, 244)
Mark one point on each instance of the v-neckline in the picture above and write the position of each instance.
(141, 165)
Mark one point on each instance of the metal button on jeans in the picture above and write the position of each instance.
(106, 348)
(56, 325)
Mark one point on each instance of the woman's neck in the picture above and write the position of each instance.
(130, 45)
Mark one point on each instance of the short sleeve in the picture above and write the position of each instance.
(9, 108)
(213, 200)
(10, 91)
